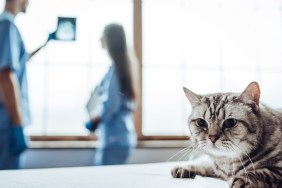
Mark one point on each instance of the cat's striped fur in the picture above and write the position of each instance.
(242, 136)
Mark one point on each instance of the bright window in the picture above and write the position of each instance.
(207, 46)
(62, 75)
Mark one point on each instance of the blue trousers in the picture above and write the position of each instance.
(111, 155)
(8, 160)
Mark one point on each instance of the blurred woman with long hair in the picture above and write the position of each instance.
(115, 119)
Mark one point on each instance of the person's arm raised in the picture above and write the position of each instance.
(51, 36)
(37, 50)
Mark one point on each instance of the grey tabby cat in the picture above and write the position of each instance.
(242, 137)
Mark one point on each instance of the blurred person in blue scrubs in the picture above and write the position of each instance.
(115, 119)
(14, 109)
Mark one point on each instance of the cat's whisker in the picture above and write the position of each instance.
(194, 152)
(233, 170)
(226, 164)
(184, 150)
(179, 153)
(184, 156)
(198, 149)
(178, 170)
(247, 156)
(245, 171)
(182, 171)
(188, 154)
(185, 153)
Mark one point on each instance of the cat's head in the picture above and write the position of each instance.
(225, 124)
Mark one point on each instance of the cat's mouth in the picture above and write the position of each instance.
(214, 146)
(218, 149)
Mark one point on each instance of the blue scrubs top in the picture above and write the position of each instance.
(117, 124)
(13, 55)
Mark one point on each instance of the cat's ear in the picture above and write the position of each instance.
(192, 97)
(252, 92)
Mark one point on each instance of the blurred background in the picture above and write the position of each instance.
(205, 45)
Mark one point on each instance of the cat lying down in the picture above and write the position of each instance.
(242, 137)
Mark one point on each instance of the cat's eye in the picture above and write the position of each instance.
(202, 123)
(229, 123)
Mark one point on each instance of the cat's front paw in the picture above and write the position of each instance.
(183, 172)
(240, 182)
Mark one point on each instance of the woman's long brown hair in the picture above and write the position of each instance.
(117, 48)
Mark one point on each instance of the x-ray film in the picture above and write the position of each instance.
(66, 29)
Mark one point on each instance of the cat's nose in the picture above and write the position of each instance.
(213, 138)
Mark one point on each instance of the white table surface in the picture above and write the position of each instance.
(155, 175)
